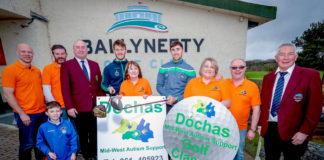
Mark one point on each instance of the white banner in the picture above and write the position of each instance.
(133, 133)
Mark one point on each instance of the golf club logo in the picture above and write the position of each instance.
(63, 129)
(138, 16)
(243, 92)
(132, 130)
(183, 76)
(298, 97)
(116, 73)
(203, 108)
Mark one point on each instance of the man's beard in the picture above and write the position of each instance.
(60, 60)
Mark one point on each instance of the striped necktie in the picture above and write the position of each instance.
(278, 93)
(85, 70)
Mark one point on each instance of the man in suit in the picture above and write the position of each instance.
(291, 107)
(80, 79)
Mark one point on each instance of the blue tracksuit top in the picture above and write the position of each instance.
(173, 78)
(113, 75)
(61, 138)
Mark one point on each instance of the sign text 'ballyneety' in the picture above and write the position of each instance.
(144, 45)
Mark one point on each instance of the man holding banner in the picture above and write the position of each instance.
(113, 74)
(174, 76)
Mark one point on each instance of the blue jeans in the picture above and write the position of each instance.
(239, 154)
(27, 134)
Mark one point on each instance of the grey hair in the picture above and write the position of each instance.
(287, 45)
(213, 62)
(238, 59)
(79, 40)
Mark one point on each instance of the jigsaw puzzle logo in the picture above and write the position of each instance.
(135, 131)
(203, 108)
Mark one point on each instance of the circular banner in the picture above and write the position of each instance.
(200, 128)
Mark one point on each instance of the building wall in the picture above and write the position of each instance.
(224, 35)
(21, 7)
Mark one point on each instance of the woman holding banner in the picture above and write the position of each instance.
(207, 85)
(135, 84)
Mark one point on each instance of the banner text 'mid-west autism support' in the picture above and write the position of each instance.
(144, 45)
(130, 149)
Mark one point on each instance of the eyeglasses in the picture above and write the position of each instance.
(237, 67)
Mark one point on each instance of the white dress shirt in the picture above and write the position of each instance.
(286, 78)
(86, 65)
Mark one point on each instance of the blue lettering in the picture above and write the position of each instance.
(153, 65)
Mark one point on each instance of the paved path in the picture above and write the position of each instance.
(9, 143)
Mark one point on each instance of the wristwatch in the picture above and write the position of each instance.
(254, 131)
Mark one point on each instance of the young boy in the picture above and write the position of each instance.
(57, 138)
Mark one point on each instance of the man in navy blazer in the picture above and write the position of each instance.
(291, 107)
(80, 80)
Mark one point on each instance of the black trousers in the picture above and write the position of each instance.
(86, 125)
(273, 145)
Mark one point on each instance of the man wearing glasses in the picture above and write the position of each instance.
(244, 96)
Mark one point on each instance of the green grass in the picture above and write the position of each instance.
(318, 139)
(259, 74)
(321, 73)
(255, 75)
(252, 146)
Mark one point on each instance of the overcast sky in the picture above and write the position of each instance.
(293, 17)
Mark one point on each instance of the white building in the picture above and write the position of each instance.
(215, 28)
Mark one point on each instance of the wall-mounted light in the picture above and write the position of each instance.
(241, 19)
(33, 16)
(26, 24)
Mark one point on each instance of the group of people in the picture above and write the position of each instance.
(285, 114)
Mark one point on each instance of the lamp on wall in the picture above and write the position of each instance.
(26, 24)
(241, 19)
(34, 16)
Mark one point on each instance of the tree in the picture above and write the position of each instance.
(311, 43)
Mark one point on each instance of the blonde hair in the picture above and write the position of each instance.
(213, 62)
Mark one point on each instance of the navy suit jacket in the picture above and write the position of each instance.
(77, 91)
(301, 105)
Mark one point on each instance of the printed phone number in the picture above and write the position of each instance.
(160, 157)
